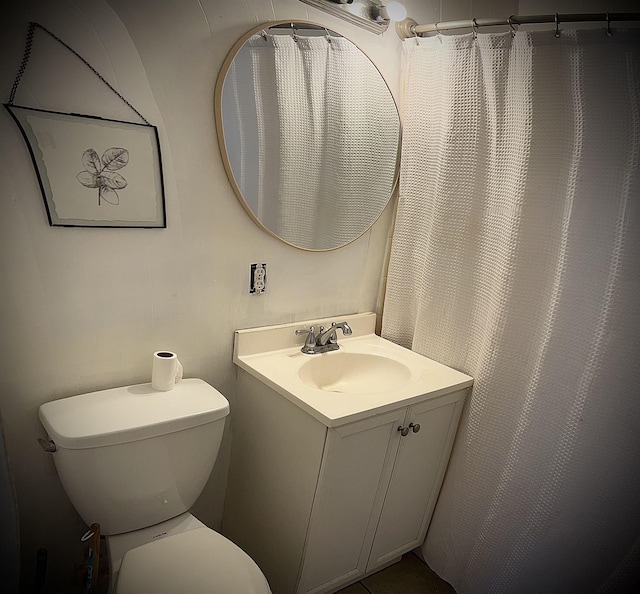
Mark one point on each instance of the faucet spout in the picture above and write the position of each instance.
(329, 336)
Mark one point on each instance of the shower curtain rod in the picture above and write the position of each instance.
(410, 28)
(294, 27)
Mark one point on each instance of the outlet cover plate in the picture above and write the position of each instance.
(258, 281)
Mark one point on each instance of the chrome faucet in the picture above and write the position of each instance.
(326, 340)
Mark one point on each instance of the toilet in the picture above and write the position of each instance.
(134, 460)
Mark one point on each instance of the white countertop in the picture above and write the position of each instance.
(279, 369)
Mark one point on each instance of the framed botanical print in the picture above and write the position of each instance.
(94, 172)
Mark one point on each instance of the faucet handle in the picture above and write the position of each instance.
(310, 341)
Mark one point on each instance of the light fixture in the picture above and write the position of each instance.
(370, 14)
(396, 11)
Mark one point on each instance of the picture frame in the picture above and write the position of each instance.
(94, 172)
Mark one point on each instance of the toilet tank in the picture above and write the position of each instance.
(132, 457)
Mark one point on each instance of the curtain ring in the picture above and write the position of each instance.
(608, 26)
(263, 33)
(513, 29)
(557, 20)
(474, 26)
(328, 36)
(415, 34)
(438, 32)
(295, 33)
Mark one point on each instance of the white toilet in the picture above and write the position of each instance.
(134, 460)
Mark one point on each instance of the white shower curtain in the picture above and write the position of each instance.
(516, 259)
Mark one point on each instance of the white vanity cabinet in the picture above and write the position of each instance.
(334, 474)
(318, 508)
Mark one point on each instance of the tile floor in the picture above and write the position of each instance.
(409, 576)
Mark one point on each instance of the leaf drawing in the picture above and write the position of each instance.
(108, 195)
(91, 161)
(112, 180)
(100, 173)
(115, 158)
(88, 179)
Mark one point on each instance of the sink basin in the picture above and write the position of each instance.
(354, 373)
(366, 376)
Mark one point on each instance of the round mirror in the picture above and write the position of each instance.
(309, 134)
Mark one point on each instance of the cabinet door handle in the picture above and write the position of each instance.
(415, 427)
(404, 431)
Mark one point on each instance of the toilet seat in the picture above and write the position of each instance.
(192, 562)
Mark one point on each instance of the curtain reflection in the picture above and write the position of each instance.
(311, 133)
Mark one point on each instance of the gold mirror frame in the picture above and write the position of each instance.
(218, 94)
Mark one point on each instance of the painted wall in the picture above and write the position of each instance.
(83, 309)
(576, 6)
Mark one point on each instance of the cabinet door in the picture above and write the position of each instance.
(355, 472)
(417, 477)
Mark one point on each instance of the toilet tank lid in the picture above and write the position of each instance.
(130, 413)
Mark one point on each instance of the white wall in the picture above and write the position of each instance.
(83, 309)
(577, 6)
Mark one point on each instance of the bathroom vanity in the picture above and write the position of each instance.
(337, 458)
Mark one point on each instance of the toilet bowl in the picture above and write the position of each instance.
(195, 560)
(134, 460)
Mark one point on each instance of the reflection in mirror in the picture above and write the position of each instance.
(309, 134)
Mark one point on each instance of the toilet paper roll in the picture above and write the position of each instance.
(166, 371)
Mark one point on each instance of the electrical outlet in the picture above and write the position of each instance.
(258, 282)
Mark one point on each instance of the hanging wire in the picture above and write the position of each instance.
(27, 55)
(24, 63)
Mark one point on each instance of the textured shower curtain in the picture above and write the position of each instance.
(516, 259)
